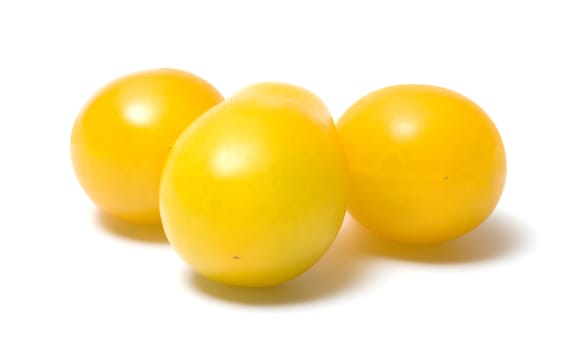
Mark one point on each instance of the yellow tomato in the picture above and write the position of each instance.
(426, 163)
(121, 139)
(255, 191)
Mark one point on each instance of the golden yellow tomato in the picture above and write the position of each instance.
(255, 191)
(121, 139)
(426, 163)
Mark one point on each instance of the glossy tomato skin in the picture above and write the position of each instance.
(426, 163)
(255, 191)
(122, 137)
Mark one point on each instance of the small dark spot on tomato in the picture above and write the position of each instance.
(445, 178)
(235, 257)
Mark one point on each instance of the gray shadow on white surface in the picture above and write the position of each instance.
(141, 233)
(345, 266)
(337, 272)
(498, 237)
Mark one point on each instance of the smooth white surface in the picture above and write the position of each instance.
(70, 280)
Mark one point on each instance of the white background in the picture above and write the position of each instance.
(72, 280)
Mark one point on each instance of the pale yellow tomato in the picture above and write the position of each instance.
(426, 163)
(255, 191)
(121, 139)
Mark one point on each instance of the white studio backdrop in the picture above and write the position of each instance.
(72, 280)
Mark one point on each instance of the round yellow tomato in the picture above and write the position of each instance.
(121, 139)
(255, 191)
(426, 163)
